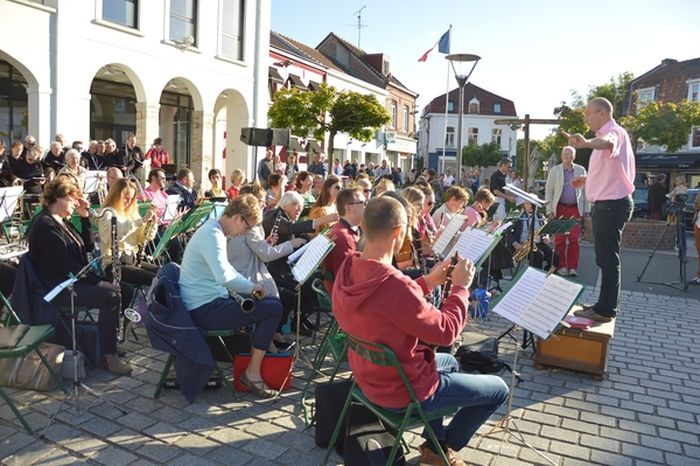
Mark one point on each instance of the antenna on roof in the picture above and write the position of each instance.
(359, 24)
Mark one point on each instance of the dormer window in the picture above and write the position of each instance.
(473, 106)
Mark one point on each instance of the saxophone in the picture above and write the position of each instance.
(274, 235)
(529, 245)
(149, 232)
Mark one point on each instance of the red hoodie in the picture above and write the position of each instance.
(376, 302)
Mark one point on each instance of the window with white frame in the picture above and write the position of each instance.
(123, 12)
(450, 106)
(473, 134)
(405, 115)
(183, 20)
(496, 135)
(644, 97)
(694, 96)
(474, 105)
(394, 113)
(450, 137)
(232, 29)
(497, 108)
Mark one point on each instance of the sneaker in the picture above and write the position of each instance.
(589, 313)
(112, 363)
(573, 273)
(694, 281)
(430, 458)
(563, 271)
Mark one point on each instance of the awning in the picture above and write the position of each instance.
(274, 75)
(314, 86)
(296, 81)
(669, 161)
(312, 146)
(294, 145)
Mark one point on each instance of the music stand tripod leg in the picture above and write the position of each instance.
(508, 420)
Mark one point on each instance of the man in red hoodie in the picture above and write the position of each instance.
(376, 302)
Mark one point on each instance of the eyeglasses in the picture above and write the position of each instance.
(358, 202)
(245, 220)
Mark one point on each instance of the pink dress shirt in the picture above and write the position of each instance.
(611, 172)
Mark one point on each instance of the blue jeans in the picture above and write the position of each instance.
(609, 218)
(477, 397)
(226, 314)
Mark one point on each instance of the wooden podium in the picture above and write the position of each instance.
(580, 350)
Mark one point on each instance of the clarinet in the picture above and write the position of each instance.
(447, 286)
(117, 274)
(274, 236)
(419, 257)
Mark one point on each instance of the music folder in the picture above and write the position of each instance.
(537, 301)
(313, 254)
(476, 245)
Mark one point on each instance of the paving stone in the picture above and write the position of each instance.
(31, 454)
(113, 456)
(680, 460)
(661, 444)
(264, 448)
(642, 453)
(159, 452)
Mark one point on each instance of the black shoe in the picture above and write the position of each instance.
(281, 345)
(305, 322)
(303, 331)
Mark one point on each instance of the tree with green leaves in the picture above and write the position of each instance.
(327, 111)
(485, 155)
(664, 124)
(614, 90)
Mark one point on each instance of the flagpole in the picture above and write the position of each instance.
(447, 101)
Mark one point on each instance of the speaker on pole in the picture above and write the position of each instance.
(265, 136)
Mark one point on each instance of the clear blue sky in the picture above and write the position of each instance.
(533, 52)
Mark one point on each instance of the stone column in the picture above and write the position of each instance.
(201, 145)
(147, 124)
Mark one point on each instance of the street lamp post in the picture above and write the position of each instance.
(462, 60)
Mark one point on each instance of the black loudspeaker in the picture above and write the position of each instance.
(265, 136)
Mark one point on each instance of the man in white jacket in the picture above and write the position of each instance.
(563, 200)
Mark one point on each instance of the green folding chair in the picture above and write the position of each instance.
(219, 334)
(35, 336)
(412, 416)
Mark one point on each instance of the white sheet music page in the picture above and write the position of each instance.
(316, 249)
(538, 302)
(448, 234)
(516, 300)
(472, 244)
(9, 197)
(550, 305)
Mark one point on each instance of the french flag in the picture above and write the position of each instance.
(443, 45)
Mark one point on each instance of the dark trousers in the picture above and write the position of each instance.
(226, 314)
(544, 258)
(139, 276)
(107, 301)
(609, 218)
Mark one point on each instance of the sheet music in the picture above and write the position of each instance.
(8, 201)
(500, 230)
(524, 195)
(448, 234)
(293, 257)
(92, 180)
(60, 287)
(472, 244)
(537, 302)
(171, 208)
(316, 249)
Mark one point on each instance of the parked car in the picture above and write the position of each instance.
(641, 206)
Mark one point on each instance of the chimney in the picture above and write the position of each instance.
(668, 61)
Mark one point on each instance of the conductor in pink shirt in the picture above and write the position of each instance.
(609, 186)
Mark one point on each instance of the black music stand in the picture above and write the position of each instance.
(77, 383)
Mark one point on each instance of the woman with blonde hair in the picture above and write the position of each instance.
(325, 204)
(133, 233)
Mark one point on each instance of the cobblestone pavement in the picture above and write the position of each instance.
(647, 410)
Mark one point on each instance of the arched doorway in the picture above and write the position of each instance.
(113, 103)
(178, 103)
(230, 115)
(14, 108)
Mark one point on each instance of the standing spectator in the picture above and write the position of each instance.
(382, 170)
(55, 158)
(292, 167)
(337, 168)
(696, 233)
(265, 168)
(236, 181)
(157, 155)
(681, 188)
(317, 167)
(563, 200)
(497, 184)
(610, 185)
(515, 180)
(656, 197)
(448, 180)
(131, 156)
(278, 165)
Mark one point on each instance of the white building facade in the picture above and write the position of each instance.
(438, 136)
(190, 72)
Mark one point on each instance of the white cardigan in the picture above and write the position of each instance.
(555, 185)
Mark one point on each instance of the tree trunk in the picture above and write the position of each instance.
(329, 151)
